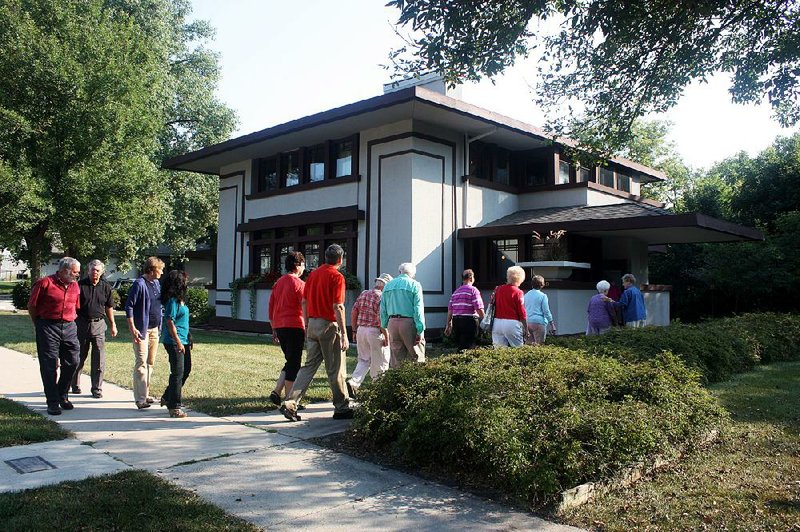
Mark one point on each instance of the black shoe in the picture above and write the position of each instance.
(350, 390)
(54, 410)
(275, 399)
(97, 394)
(288, 414)
(76, 389)
(66, 404)
(343, 414)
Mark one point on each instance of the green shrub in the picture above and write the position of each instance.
(197, 301)
(20, 294)
(718, 348)
(534, 421)
(117, 301)
(122, 293)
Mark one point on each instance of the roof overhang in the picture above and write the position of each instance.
(653, 230)
(322, 216)
(415, 103)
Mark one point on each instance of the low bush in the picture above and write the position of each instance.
(718, 349)
(20, 294)
(197, 301)
(533, 421)
(116, 300)
(122, 295)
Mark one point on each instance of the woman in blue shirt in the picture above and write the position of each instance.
(537, 307)
(176, 339)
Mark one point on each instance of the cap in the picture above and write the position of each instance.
(384, 278)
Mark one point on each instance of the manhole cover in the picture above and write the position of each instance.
(30, 464)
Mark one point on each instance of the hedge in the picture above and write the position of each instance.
(20, 294)
(534, 421)
(718, 349)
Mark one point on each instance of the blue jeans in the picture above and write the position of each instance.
(180, 365)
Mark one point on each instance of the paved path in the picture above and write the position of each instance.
(6, 304)
(256, 466)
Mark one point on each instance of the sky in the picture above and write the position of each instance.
(282, 60)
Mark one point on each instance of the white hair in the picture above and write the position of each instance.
(66, 263)
(97, 264)
(407, 268)
(515, 275)
(603, 286)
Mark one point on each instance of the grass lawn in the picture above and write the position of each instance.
(21, 426)
(131, 500)
(7, 286)
(750, 480)
(231, 373)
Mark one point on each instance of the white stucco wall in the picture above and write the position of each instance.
(657, 304)
(553, 198)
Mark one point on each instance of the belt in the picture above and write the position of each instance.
(92, 319)
(55, 321)
(470, 316)
(399, 316)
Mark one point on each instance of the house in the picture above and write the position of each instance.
(418, 175)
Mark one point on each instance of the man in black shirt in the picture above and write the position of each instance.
(96, 302)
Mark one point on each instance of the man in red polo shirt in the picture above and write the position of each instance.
(326, 336)
(53, 307)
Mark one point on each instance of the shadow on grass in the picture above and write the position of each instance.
(766, 394)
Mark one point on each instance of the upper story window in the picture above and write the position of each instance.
(343, 155)
(623, 182)
(563, 173)
(583, 174)
(290, 168)
(502, 167)
(607, 177)
(314, 164)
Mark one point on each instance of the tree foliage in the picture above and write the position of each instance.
(604, 64)
(93, 95)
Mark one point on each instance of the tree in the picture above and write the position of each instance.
(88, 116)
(608, 63)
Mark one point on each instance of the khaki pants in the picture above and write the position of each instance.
(635, 324)
(144, 354)
(323, 344)
(536, 334)
(402, 333)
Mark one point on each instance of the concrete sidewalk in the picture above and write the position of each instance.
(256, 466)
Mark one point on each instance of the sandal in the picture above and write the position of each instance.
(177, 412)
(274, 398)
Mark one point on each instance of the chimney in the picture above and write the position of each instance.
(430, 81)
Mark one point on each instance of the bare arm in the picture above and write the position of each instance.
(338, 311)
(354, 320)
(173, 332)
(449, 323)
(32, 311)
(110, 316)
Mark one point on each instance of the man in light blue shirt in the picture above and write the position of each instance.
(403, 315)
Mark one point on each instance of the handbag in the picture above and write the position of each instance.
(488, 318)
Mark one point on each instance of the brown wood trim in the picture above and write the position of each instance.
(656, 288)
(485, 183)
(336, 214)
(617, 224)
(304, 186)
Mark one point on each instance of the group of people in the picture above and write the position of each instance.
(71, 317)
(519, 318)
(388, 325)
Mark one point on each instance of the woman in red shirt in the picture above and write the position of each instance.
(286, 319)
(510, 319)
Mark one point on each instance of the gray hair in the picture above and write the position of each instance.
(515, 275)
(97, 264)
(629, 278)
(603, 286)
(333, 254)
(66, 263)
(408, 268)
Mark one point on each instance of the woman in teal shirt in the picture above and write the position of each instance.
(537, 307)
(176, 339)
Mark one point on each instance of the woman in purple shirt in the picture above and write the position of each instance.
(600, 311)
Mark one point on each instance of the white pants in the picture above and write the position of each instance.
(635, 324)
(372, 355)
(507, 333)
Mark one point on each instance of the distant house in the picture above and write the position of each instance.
(417, 175)
(11, 270)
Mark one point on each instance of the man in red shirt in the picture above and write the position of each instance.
(326, 335)
(53, 307)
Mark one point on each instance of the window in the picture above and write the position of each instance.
(607, 177)
(563, 172)
(290, 168)
(502, 169)
(345, 246)
(506, 254)
(316, 163)
(343, 158)
(623, 182)
(583, 174)
(270, 247)
(267, 174)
